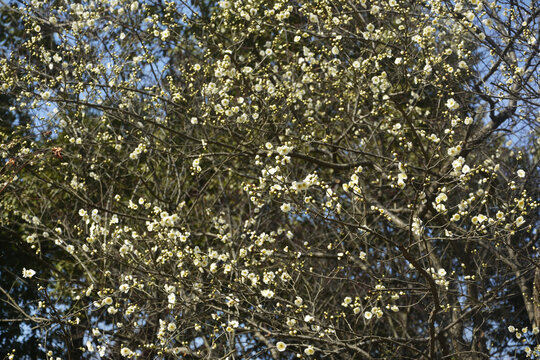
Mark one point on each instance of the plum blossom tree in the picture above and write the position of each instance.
(280, 179)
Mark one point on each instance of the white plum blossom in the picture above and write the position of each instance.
(346, 301)
(368, 315)
(309, 350)
(281, 346)
(452, 104)
(284, 150)
(286, 207)
(125, 352)
(267, 293)
(28, 273)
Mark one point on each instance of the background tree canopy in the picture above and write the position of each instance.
(270, 179)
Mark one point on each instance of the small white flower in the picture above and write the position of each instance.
(112, 310)
(453, 151)
(286, 207)
(125, 352)
(284, 150)
(441, 198)
(233, 324)
(31, 238)
(124, 288)
(521, 173)
(171, 327)
(89, 346)
(452, 104)
(267, 293)
(368, 315)
(107, 301)
(346, 301)
(441, 272)
(28, 273)
(377, 311)
(281, 346)
(309, 350)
